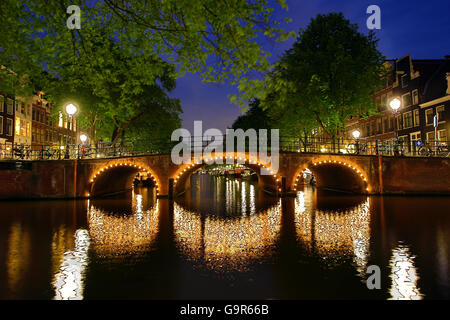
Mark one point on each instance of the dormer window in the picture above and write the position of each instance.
(404, 81)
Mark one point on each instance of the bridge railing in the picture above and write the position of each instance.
(392, 147)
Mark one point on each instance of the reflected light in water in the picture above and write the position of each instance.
(244, 199)
(404, 275)
(118, 235)
(335, 235)
(252, 199)
(69, 281)
(226, 244)
(18, 257)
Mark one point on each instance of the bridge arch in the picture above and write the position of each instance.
(336, 175)
(268, 182)
(117, 177)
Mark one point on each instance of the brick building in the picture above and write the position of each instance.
(423, 87)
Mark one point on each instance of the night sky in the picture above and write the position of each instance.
(419, 28)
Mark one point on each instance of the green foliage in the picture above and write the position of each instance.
(328, 75)
(254, 118)
(216, 38)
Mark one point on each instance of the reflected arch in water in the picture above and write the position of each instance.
(129, 233)
(336, 175)
(118, 177)
(334, 235)
(270, 181)
(226, 244)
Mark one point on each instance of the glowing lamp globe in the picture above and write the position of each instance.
(71, 109)
(356, 134)
(395, 104)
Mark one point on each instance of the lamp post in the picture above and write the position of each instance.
(356, 134)
(71, 109)
(395, 105)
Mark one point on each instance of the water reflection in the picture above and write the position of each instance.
(404, 275)
(69, 281)
(225, 244)
(335, 236)
(131, 231)
(224, 240)
(18, 258)
(222, 196)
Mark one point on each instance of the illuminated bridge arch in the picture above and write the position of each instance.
(267, 182)
(117, 177)
(336, 175)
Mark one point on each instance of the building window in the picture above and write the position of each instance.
(23, 128)
(9, 127)
(415, 136)
(416, 118)
(415, 97)
(1, 125)
(407, 120)
(404, 80)
(379, 128)
(430, 136)
(18, 126)
(406, 99)
(2, 101)
(442, 135)
(391, 123)
(10, 106)
(429, 114)
(60, 119)
(28, 129)
(440, 113)
(399, 122)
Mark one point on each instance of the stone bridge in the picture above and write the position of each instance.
(350, 173)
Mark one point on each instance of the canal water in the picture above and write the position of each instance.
(225, 239)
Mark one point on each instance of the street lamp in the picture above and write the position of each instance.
(71, 109)
(395, 105)
(83, 138)
(356, 134)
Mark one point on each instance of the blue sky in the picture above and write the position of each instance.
(420, 28)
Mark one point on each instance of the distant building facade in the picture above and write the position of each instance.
(423, 87)
(22, 127)
(50, 129)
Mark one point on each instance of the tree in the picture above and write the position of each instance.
(216, 38)
(254, 118)
(126, 98)
(328, 75)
